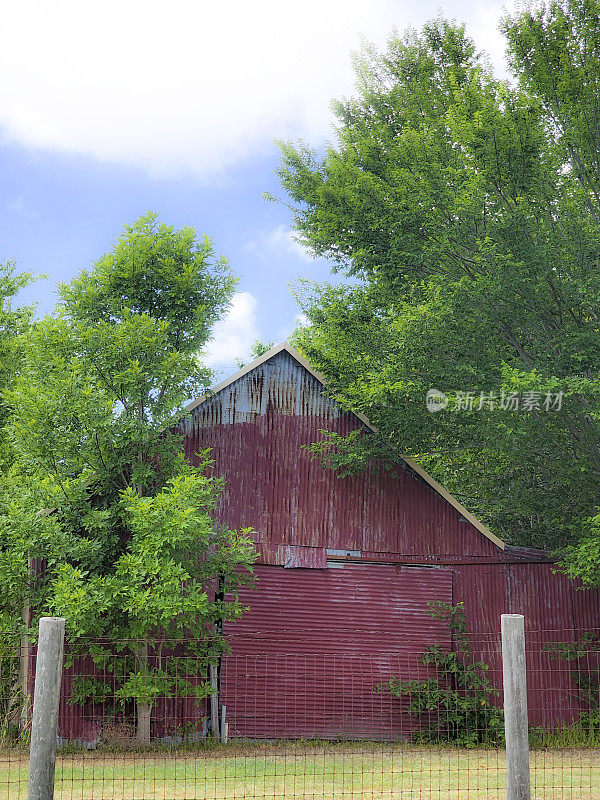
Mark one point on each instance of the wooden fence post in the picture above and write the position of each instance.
(515, 707)
(214, 702)
(46, 698)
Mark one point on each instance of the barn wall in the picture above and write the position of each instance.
(307, 657)
(555, 608)
(300, 658)
(114, 722)
(311, 648)
(258, 429)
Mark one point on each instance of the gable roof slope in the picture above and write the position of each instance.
(284, 346)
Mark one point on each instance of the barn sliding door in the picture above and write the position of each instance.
(308, 656)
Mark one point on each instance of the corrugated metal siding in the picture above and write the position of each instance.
(586, 609)
(286, 555)
(546, 602)
(258, 429)
(307, 656)
(483, 588)
(554, 611)
(89, 722)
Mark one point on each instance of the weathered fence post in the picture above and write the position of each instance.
(224, 726)
(214, 701)
(46, 697)
(515, 707)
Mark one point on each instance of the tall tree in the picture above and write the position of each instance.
(469, 223)
(14, 322)
(555, 51)
(134, 550)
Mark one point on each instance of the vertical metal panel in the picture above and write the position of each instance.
(483, 588)
(586, 609)
(259, 429)
(307, 656)
(548, 603)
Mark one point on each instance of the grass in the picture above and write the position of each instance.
(305, 770)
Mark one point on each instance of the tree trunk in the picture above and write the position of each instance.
(142, 735)
(23, 682)
(143, 708)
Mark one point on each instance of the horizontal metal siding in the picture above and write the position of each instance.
(307, 656)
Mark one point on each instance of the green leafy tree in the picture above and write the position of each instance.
(129, 545)
(155, 597)
(14, 322)
(257, 349)
(465, 211)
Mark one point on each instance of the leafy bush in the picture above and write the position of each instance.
(457, 704)
(11, 693)
(584, 657)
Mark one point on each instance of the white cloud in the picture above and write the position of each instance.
(277, 243)
(186, 86)
(300, 320)
(233, 335)
(20, 206)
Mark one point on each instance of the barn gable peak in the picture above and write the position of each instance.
(274, 351)
(334, 409)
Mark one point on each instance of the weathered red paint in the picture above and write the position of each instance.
(307, 658)
(318, 638)
(555, 608)
(111, 719)
(259, 428)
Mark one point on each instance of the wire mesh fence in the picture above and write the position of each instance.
(388, 724)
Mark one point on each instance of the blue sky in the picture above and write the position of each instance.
(109, 110)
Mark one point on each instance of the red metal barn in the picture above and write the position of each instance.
(347, 566)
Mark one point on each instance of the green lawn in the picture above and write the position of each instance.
(306, 771)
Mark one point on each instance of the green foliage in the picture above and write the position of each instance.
(467, 212)
(257, 349)
(457, 704)
(122, 683)
(11, 694)
(582, 560)
(158, 582)
(583, 656)
(564, 737)
(101, 490)
(13, 324)
(86, 689)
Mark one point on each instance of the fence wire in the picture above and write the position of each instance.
(388, 725)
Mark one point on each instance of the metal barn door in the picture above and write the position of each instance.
(309, 655)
